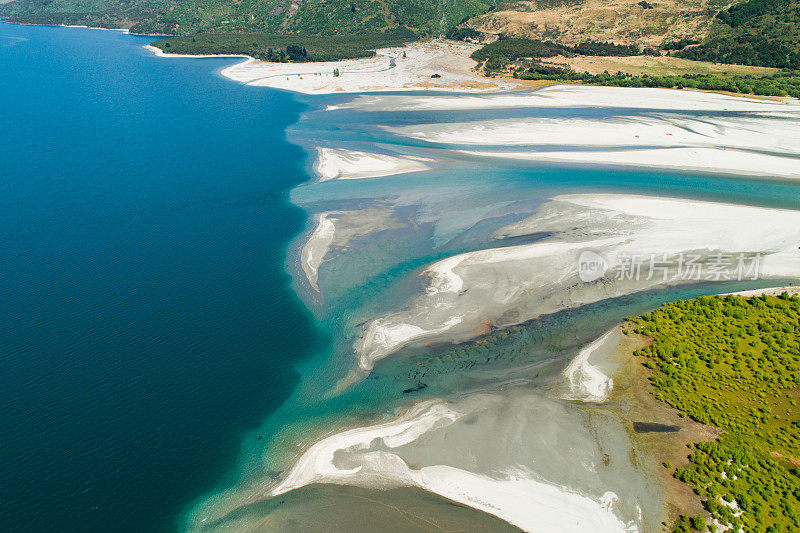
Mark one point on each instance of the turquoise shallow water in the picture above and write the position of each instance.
(151, 341)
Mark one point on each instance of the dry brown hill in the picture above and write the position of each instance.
(647, 24)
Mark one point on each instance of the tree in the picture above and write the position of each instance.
(698, 523)
(296, 52)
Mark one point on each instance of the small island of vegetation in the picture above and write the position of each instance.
(733, 362)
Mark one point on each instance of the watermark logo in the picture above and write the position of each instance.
(591, 266)
(669, 267)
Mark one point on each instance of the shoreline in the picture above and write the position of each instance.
(633, 401)
(458, 67)
(123, 30)
(160, 53)
(315, 464)
(511, 495)
(770, 291)
(625, 391)
(478, 83)
(407, 68)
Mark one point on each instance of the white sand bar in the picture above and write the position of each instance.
(160, 53)
(580, 96)
(586, 381)
(660, 128)
(770, 291)
(316, 247)
(716, 159)
(339, 163)
(652, 130)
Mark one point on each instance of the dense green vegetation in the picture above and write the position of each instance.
(501, 52)
(309, 17)
(783, 83)
(98, 14)
(512, 49)
(506, 51)
(734, 363)
(756, 32)
(594, 48)
(285, 48)
(464, 34)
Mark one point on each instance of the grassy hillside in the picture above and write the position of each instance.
(734, 363)
(757, 32)
(308, 17)
(570, 22)
(752, 32)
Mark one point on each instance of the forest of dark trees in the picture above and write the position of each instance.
(757, 32)
(505, 50)
(285, 48)
(783, 83)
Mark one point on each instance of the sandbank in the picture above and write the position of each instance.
(516, 283)
(769, 291)
(381, 456)
(578, 96)
(339, 163)
(317, 246)
(713, 160)
(586, 381)
(658, 128)
(160, 53)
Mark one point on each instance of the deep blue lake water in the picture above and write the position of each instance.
(146, 318)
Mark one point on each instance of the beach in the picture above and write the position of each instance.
(350, 165)
(406, 68)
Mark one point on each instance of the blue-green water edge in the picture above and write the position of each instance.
(146, 318)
